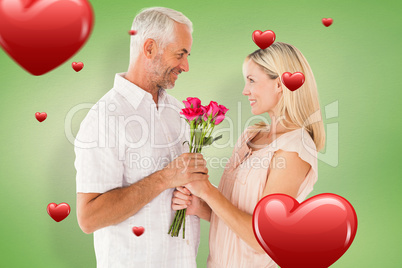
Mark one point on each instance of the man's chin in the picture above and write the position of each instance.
(170, 85)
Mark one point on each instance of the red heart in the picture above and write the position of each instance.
(41, 116)
(132, 32)
(77, 66)
(138, 231)
(58, 212)
(263, 39)
(42, 34)
(327, 22)
(293, 81)
(313, 234)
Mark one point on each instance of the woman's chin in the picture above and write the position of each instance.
(255, 112)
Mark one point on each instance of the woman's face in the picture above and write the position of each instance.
(262, 91)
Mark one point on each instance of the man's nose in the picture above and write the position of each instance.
(184, 65)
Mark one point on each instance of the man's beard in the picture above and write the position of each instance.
(161, 74)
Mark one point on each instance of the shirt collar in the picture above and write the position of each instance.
(133, 93)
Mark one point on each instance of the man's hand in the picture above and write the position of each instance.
(183, 199)
(186, 168)
(98, 210)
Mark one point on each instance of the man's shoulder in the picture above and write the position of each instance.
(112, 104)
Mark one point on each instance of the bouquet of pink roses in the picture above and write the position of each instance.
(202, 121)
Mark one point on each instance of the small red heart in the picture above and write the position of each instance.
(132, 32)
(58, 212)
(42, 34)
(138, 231)
(77, 66)
(313, 234)
(327, 22)
(263, 39)
(41, 116)
(293, 81)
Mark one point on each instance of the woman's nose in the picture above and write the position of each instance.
(245, 91)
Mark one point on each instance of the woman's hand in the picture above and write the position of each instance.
(200, 188)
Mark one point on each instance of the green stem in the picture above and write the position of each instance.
(180, 223)
(171, 226)
(184, 224)
(177, 217)
(192, 129)
(173, 223)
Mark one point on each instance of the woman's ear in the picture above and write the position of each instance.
(278, 84)
(150, 49)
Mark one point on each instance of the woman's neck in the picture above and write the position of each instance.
(279, 126)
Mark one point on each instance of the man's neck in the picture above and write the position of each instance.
(134, 77)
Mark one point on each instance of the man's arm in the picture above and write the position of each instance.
(95, 210)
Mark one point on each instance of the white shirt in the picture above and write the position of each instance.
(123, 139)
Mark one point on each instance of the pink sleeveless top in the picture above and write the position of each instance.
(243, 183)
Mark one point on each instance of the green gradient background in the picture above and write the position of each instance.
(356, 61)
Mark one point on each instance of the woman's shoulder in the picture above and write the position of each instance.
(299, 137)
(299, 141)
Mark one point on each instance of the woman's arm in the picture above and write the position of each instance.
(285, 180)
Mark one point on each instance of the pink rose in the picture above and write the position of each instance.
(204, 111)
(192, 113)
(221, 115)
(192, 102)
(223, 109)
(212, 109)
(218, 119)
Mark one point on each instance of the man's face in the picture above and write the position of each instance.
(173, 60)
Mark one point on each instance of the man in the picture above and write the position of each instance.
(129, 153)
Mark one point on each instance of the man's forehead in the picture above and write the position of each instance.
(183, 38)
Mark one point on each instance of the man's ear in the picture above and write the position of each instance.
(150, 48)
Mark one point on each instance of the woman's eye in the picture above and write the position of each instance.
(251, 81)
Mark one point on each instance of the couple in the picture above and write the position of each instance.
(115, 193)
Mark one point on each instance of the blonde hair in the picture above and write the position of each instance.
(300, 107)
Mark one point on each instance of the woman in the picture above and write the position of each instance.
(279, 158)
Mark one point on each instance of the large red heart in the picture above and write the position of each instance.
(58, 212)
(293, 81)
(263, 39)
(313, 234)
(42, 34)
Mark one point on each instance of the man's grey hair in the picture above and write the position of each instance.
(156, 23)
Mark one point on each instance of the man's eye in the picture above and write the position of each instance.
(181, 55)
